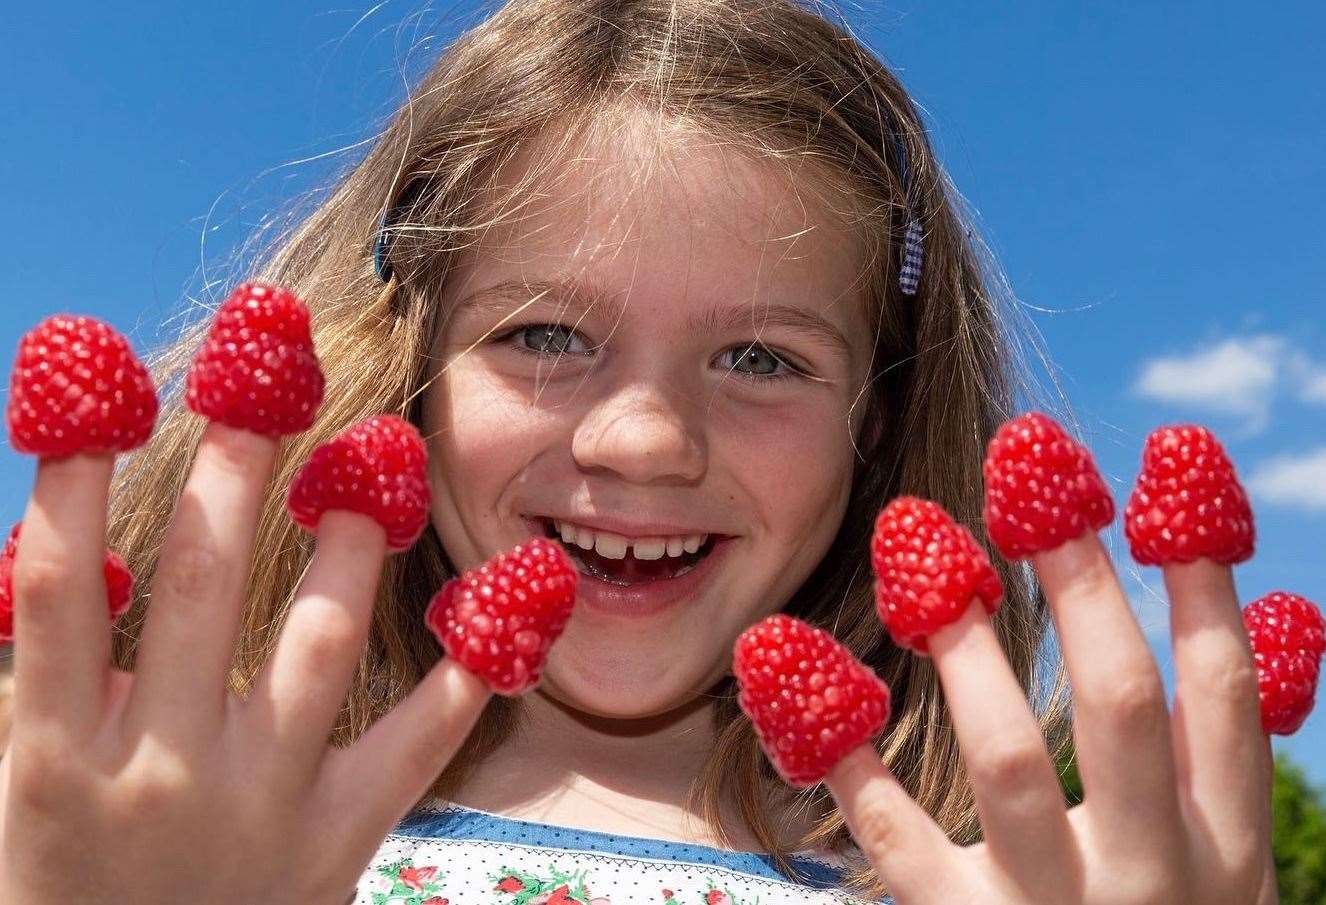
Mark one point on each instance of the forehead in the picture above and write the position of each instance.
(653, 207)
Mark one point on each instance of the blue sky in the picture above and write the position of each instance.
(1151, 177)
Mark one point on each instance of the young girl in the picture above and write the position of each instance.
(643, 274)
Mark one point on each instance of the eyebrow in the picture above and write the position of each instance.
(582, 296)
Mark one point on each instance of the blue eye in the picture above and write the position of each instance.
(762, 363)
(547, 339)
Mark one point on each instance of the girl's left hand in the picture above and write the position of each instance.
(1177, 806)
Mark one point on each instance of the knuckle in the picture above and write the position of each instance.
(190, 571)
(1240, 861)
(47, 777)
(151, 791)
(1009, 763)
(1231, 680)
(38, 582)
(235, 453)
(328, 634)
(1132, 703)
(875, 828)
(1092, 576)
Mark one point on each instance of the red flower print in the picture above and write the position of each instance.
(435, 900)
(509, 884)
(667, 893)
(416, 877)
(717, 897)
(559, 896)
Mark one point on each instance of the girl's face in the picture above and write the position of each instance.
(666, 350)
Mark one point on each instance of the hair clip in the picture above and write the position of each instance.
(909, 274)
(380, 247)
(390, 217)
(909, 277)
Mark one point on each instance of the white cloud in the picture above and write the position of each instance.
(1298, 481)
(1314, 389)
(1236, 377)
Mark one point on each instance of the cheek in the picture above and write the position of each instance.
(472, 425)
(796, 464)
(482, 432)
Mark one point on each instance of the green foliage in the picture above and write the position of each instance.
(1299, 839)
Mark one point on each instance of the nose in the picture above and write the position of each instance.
(643, 435)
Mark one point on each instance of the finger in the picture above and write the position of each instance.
(1268, 768)
(1269, 892)
(1022, 809)
(188, 641)
(1220, 748)
(908, 849)
(1120, 720)
(383, 774)
(301, 689)
(6, 704)
(62, 641)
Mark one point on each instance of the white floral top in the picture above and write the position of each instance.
(445, 854)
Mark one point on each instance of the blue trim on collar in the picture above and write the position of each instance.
(456, 822)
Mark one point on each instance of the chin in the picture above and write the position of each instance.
(618, 688)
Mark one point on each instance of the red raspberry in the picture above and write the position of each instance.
(119, 584)
(78, 387)
(257, 370)
(377, 467)
(500, 619)
(1188, 502)
(928, 569)
(1288, 637)
(810, 700)
(1041, 488)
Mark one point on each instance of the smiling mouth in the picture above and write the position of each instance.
(628, 570)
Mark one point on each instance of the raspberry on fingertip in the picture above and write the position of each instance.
(1188, 502)
(257, 370)
(501, 619)
(377, 467)
(810, 700)
(928, 569)
(1042, 487)
(78, 387)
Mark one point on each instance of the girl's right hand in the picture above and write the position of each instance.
(136, 787)
(1177, 806)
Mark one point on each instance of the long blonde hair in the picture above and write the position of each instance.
(767, 78)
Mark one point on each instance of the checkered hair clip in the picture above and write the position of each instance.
(909, 275)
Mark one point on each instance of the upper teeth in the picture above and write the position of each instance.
(614, 546)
